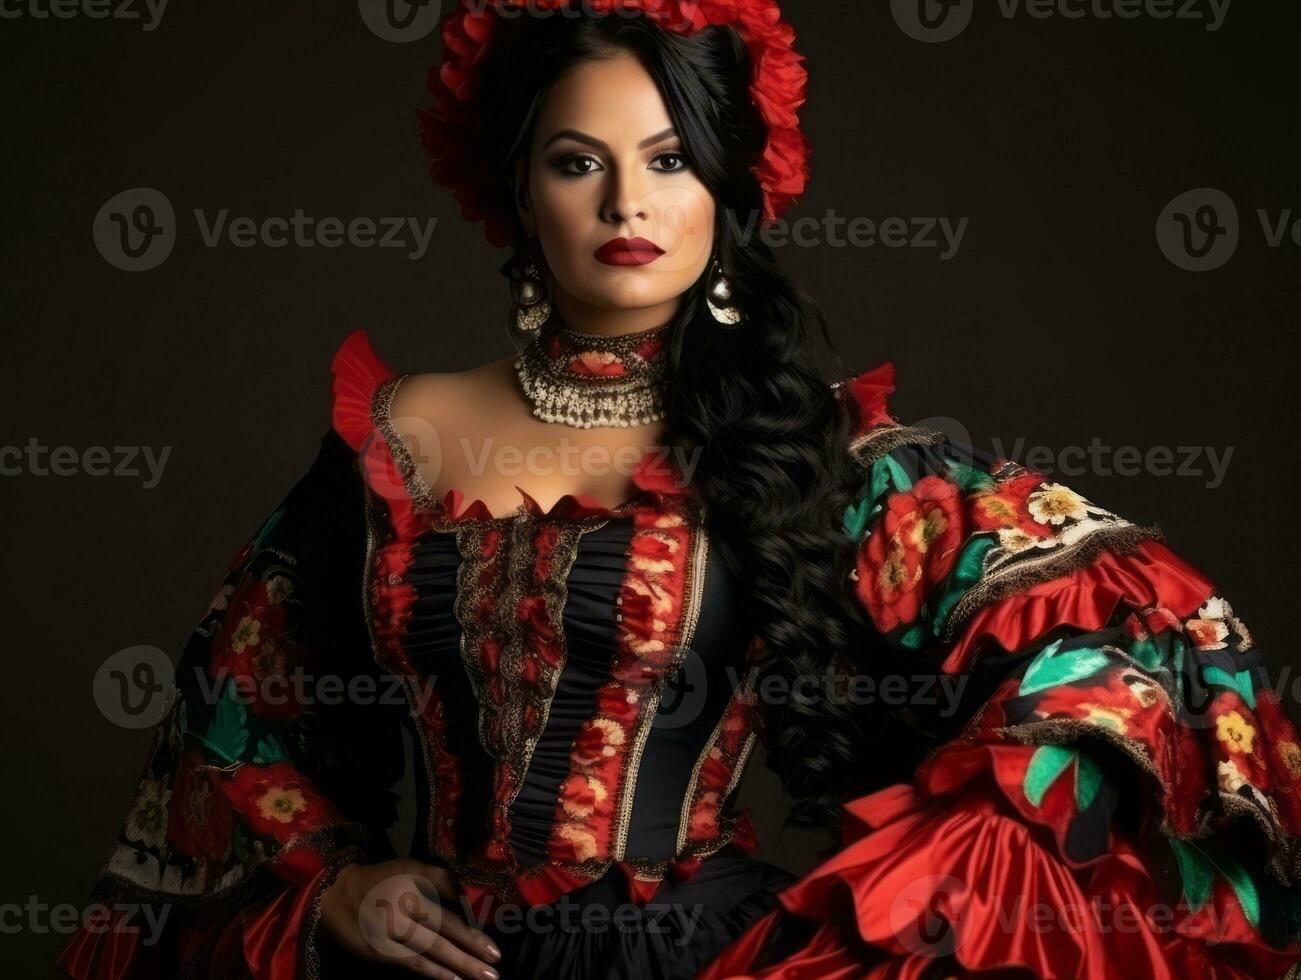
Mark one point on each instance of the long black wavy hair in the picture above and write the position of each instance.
(769, 434)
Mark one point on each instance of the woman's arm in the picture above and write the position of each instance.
(272, 773)
(1118, 789)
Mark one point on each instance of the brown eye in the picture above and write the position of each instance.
(673, 156)
(565, 165)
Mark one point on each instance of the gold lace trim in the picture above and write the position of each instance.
(742, 692)
(871, 445)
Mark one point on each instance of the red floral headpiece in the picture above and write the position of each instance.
(777, 87)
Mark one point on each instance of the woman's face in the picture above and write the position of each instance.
(623, 221)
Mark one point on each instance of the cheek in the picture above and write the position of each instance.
(565, 213)
(683, 225)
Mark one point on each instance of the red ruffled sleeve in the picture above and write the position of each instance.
(256, 790)
(358, 372)
(1086, 598)
(1127, 802)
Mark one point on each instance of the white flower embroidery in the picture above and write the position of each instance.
(147, 821)
(1230, 776)
(279, 588)
(1055, 503)
(1213, 624)
(1013, 540)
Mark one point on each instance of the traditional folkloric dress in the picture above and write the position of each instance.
(578, 688)
(581, 704)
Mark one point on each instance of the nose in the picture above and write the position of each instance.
(625, 196)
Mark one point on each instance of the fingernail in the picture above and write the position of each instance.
(493, 951)
(490, 973)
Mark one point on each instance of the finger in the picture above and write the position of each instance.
(422, 966)
(439, 878)
(446, 922)
(439, 949)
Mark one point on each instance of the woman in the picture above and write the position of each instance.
(587, 651)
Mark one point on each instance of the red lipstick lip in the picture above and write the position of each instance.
(628, 251)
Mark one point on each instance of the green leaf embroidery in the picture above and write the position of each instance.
(1050, 669)
(1048, 762)
(914, 637)
(887, 472)
(227, 736)
(1088, 780)
(856, 518)
(269, 750)
(1147, 653)
(1242, 885)
(1196, 871)
(966, 573)
(1197, 868)
(1240, 682)
(970, 479)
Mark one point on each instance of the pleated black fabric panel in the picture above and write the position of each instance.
(590, 642)
(433, 643)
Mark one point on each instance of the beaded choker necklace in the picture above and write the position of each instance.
(586, 380)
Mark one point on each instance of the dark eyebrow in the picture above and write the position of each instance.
(574, 134)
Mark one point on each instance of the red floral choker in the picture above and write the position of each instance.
(588, 380)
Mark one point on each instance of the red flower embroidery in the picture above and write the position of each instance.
(582, 796)
(1006, 508)
(276, 801)
(598, 740)
(251, 648)
(597, 364)
(913, 546)
(199, 823)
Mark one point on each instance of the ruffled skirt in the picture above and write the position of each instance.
(597, 934)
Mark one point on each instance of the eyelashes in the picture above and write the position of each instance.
(564, 165)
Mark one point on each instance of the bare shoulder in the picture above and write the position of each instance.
(452, 396)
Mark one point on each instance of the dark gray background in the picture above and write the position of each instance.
(1059, 321)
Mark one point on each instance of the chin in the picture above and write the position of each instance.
(629, 293)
